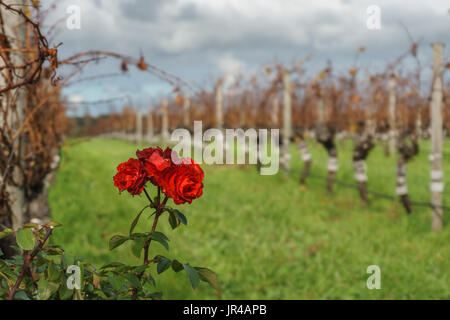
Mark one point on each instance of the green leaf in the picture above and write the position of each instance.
(136, 220)
(53, 273)
(192, 275)
(149, 279)
(156, 296)
(64, 292)
(116, 282)
(209, 276)
(116, 241)
(31, 225)
(21, 295)
(54, 224)
(137, 246)
(112, 265)
(161, 238)
(163, 264)
(156, 235)
(46, 289)
(139, 269)
(180, 217)
(5, 232)
(25, 239)
(133, 280)
(173, 220)
(177, 266)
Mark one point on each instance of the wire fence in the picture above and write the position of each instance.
(379, 194)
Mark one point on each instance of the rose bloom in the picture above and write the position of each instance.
(184, 182)
(155, 161)
(130, 176)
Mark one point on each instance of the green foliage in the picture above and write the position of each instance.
(5, 232)
(48, 275)
(25, 239)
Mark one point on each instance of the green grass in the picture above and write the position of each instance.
(264, 236)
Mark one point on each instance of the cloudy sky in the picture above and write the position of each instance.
(199, 40)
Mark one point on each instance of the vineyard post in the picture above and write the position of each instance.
(219, 105)
(124, 126)
(165, 120)
(131, 130)
(419, 120)
(370, 116)
(321, 107)
(392, 125)
(186, 106)
(149, 125)
(437, 185)
(138, 126)
(275, 112)
(287, 115)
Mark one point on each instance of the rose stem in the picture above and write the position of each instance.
(159, 210)
(149, 199)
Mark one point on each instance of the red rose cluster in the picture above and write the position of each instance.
(181, 180)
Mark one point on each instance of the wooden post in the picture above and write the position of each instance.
(219, 105)
(275, 112)
(321, 107)
(186, 106)
(123, 126)
(131, 130)
(165, 120)
(392, 125)
(370, 116)
(287, 112)
(437, 185)
(138, 127)
(419, 117)
(149, 125)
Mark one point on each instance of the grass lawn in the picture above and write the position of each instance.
(265, 237)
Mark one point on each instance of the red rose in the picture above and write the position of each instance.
(130, 176)
(184, 182)
(155, 161)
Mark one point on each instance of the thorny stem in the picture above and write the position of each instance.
(149, 199)
(27, 258)
(159, 206)
(159, 210)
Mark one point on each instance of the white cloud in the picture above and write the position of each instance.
(76, 98)
(192, 38)
(230, 67)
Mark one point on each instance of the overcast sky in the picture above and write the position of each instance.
(199, 40)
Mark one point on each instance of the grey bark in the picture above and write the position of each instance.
(287, 122)
(437, 185)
